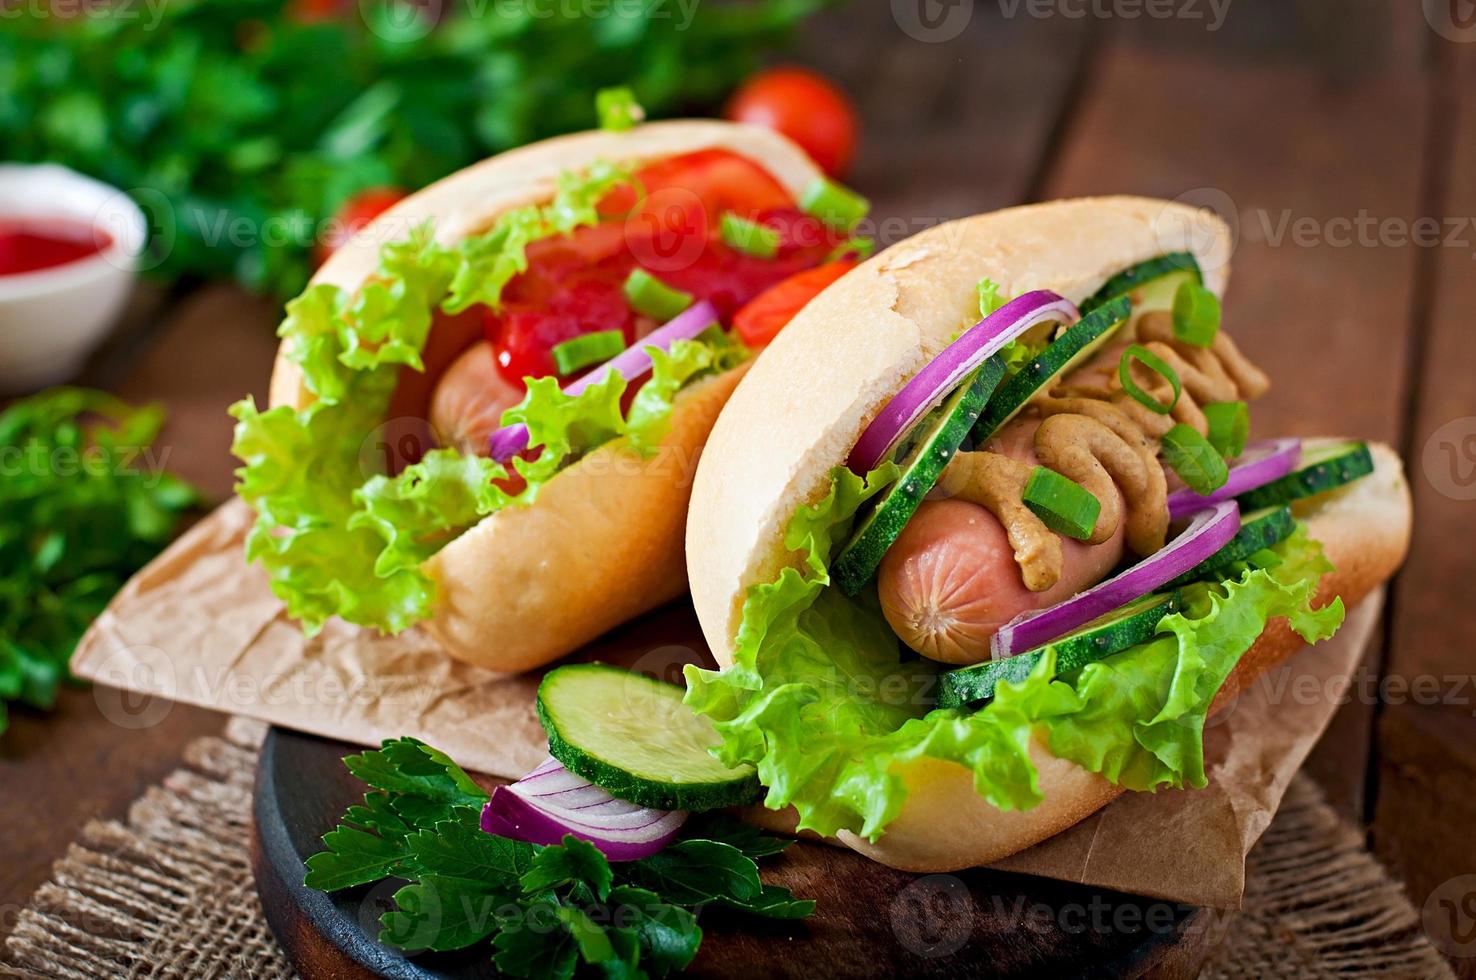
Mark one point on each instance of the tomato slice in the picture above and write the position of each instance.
(574, 284)
(761, 319)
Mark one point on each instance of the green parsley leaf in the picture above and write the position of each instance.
(408, 765)
(575, 861)
(546, 911)
(85, 502)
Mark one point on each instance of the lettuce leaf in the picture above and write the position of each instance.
(713, 352)
(564, 425)
(336, 535)
(822, 702)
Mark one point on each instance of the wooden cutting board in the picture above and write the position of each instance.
(869, 921)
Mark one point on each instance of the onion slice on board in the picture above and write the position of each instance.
(946, 371)
(630, 364)
(1260, 464)
(550, 802)
(1209, 531)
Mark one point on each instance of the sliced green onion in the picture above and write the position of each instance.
(749, 237)
(618, 109)
(651, 297)
(989, 297)
(1229, 427)
(837, 206)
(1158, 366)
(591, 348)
(1196, 314)
(1198, 464)
(1062, 504)
(856, 246)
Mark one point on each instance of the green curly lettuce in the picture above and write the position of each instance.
(672, 370)
(822, 703)
(337, 535)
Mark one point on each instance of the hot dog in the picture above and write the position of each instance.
(1055, 507)
(948, 583)
(487, 404)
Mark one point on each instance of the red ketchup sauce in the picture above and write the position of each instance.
(574, 284)
(34, 244)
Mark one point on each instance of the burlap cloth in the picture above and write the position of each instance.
(169, 894)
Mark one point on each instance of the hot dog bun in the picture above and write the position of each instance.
(603, 541)
(798, 413)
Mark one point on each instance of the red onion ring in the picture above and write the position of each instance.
(1260, 464)
(946, 371)
(1209, 531)
(551, 802)
(630, 364)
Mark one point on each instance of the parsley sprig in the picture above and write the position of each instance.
(546, 911)
(242, 126)
(84, 502)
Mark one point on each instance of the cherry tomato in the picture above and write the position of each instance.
(356, 212)
(761, 319)
(806, 107)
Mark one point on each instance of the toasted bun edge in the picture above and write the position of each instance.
(603, 541)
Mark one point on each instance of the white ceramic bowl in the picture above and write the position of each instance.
(51, 319)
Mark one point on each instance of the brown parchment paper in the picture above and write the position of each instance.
(200, 626)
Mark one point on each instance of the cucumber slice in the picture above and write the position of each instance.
(1258, 530)
(632, 736)
(1126, 627)
(1080, 341)
(933, 444)
(1151, 284)
(1324, 468)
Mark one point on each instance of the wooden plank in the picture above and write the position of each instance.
(958, 117)
(1427, 767)
(100, 749)
(1293, 163)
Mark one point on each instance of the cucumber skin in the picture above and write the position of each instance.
(693, 797)
(971, 685)
(863, 553)
(1170, 263)
(1321, 477)
(1036, 374)
(1275, 526)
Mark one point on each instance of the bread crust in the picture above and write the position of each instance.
(603, 540)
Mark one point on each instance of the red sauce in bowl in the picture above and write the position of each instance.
(34, 244)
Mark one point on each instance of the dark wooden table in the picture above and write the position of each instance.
(1339, 136)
